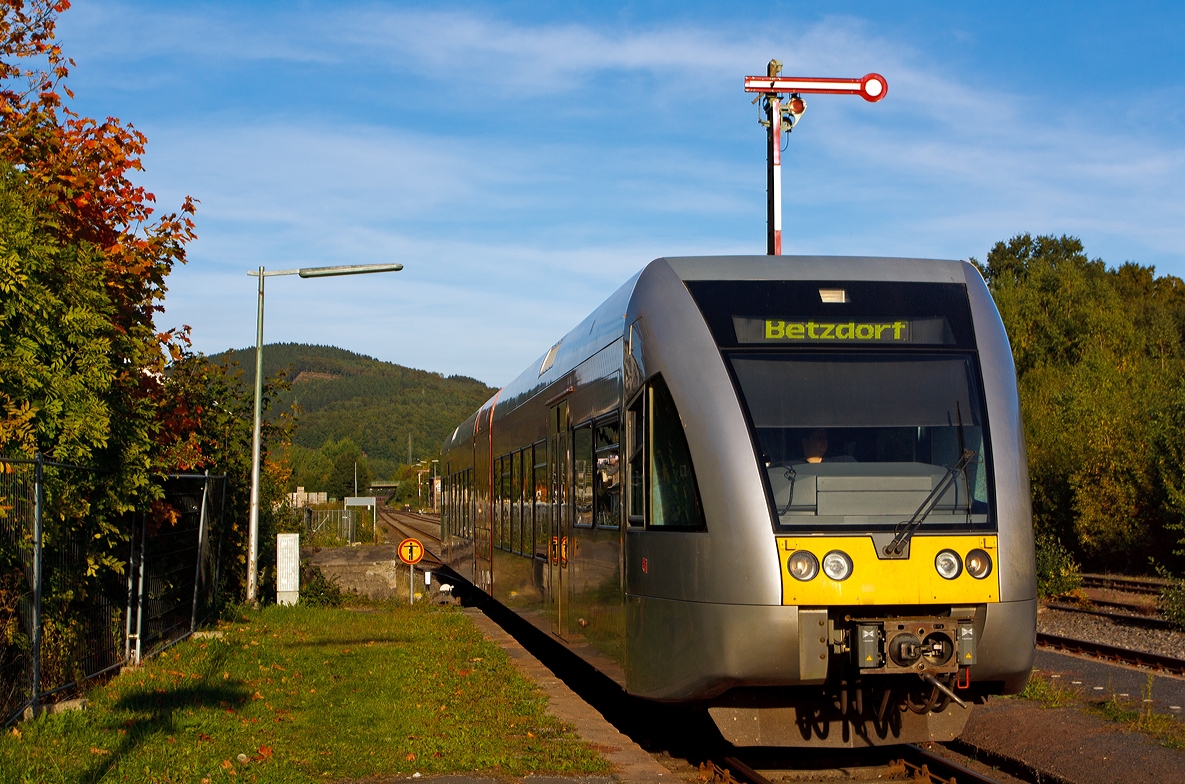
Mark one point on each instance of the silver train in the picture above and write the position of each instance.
(791, 491)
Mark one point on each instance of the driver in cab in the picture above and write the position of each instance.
(814, 449)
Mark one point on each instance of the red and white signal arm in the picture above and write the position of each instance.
(871, 87)
(411, 551)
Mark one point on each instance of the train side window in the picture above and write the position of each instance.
(607, 506)
(499, 519)
(468, 511)
(583, 464)
(673, 494)
(542, 528)
(512, 480)
(522, 494)
(636, 454)
(509, 508)
(444, 484)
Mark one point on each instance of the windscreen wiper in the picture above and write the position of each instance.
(911, 526)
(790, 474)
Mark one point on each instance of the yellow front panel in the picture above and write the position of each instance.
(903, 581)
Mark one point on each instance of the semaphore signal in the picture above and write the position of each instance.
(783, 102)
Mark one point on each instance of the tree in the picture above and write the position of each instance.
(85, 376)
(84, 265)
(1099, 362)
(348, 462)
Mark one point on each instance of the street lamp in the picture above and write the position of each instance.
(306, 272)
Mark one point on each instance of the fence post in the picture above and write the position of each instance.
(221, 526)
(38, 567)
(197, 569)
(140, 600)
(127, 633)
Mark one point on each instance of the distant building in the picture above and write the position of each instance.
(301, 499)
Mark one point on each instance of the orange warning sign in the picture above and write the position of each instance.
(411, 551)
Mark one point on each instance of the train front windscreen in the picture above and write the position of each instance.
(864, 399)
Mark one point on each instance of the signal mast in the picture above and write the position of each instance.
(784, 107)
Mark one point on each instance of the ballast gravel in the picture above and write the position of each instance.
(1094, 628)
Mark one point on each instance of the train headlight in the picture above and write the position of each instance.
(979, 564)
(948, 564)
(837, 565)
(803, 566)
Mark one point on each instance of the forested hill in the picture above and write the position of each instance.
(373, 403)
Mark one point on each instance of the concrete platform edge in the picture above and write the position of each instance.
(630, 762)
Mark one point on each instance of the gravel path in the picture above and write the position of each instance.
(1108, 632)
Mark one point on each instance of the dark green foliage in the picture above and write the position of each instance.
(1101, 372)
(351, 472)
(374, 404)
(1057, 574)
(317, 590)
(1172, 603)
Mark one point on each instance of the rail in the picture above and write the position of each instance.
(1149, 585)
(1112, 653)
(397, 523)
(917, 764)
(1144, 621)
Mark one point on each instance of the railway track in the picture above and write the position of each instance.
(1145, 621)
(687, 737)
(1134, 609)
(404, 525)
(916, 764)
(1145, 585)
(1112, 653)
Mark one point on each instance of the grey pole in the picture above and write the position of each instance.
(253, 536)
(304, 272)
(127, 631)
(38, 567)
(197, 569)
(140, 599)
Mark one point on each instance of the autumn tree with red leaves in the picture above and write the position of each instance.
(83, 267)
(85, 376)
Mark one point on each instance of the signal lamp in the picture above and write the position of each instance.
(837, 565)
(948, 564)
(979, 564)
(803, 566)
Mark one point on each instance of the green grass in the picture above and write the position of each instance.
(293, 694)
(1047, 691)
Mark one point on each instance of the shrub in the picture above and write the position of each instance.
(317, 590)
(1057, 573)
(1171, 601)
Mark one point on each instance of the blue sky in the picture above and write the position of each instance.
(523, 159)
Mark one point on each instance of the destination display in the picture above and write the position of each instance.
(915, 331)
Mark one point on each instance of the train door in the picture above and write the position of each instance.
(558, 546)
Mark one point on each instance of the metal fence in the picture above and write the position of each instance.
(337, 526)
(62, 620)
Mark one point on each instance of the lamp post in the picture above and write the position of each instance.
(306, 272)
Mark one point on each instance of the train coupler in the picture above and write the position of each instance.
(919, 645)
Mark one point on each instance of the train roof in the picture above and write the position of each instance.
(609, 321)
(885, 268)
